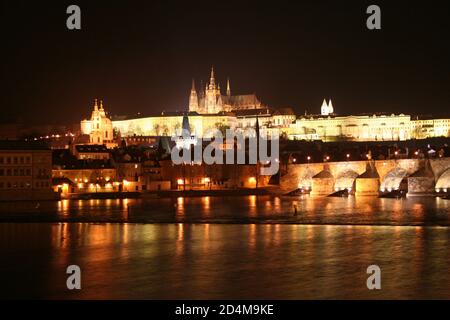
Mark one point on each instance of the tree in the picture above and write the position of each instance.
(222, 128)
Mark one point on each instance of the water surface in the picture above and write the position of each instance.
(221, 261)
(251, 247)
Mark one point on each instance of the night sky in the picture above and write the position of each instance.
(140, 56)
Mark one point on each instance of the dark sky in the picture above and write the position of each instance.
(140, 56)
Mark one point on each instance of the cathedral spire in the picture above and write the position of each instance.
(324, 109)
(228, 87)
(330, 107)
(212, 81)
(193, 99)
(101, 105)
(95, 105)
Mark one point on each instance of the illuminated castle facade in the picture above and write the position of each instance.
(209, 109)
(375, 127)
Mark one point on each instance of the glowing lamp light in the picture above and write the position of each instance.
(445, 190)
(80, 186)
(125, 182)
(438, 190)
(252, 179)
(180, 181)
(206, 180)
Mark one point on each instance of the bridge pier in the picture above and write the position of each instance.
(368, 183)
(367, 186)
(421, 182)
(322, 183)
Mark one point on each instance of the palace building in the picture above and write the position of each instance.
(209, 109)
(354, 128)
(366, 127)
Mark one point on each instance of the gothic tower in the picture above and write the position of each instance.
(213, 103)
(193, 99)
(324, 109)
(330, 107)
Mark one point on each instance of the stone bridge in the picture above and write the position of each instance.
(417, 176)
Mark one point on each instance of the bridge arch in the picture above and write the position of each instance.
(443, 182)
(305, 180)
(345, 180)
(393, 179)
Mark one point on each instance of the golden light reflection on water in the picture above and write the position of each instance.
(206, 206)
(277, 203)
(180, 206)
(252, 206)
(180, 232)
(251, 240)
(327, 210)
(240, 261)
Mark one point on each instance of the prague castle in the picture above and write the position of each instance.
(209, 109)
(210, 100)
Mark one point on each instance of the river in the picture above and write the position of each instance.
(251, 247)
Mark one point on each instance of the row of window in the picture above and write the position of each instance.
(23, 184)
(15, 160)
(20, 172)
